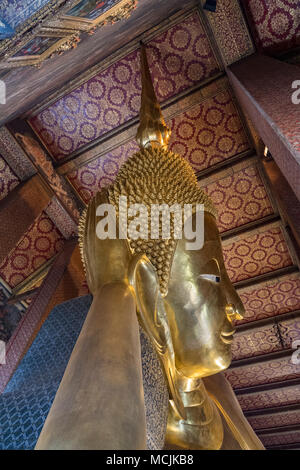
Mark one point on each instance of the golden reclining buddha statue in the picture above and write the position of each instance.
(184, 301)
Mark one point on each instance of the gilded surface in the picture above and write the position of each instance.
(185, 299)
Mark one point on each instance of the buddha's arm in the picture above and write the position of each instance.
(100, 401)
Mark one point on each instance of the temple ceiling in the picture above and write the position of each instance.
(81, 109)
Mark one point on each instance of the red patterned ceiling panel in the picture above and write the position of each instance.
(239, 198)
(281, 439)
(215, 117)
(263, 373)
(266, 339)
(8, 179)
(40, 243)
(270, 398)
(271, 298)
(286, 418)
(178, 58)
(209, 132)
(255, 253)
(275, 23)
(92, 177)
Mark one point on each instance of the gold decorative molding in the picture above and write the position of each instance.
(53, 21)
(120, 11)
(64, 42)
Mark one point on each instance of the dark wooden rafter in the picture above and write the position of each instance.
(295, 446)
(266, 387)
(53, 182)
(252, 325)
(215, 169)
(265, 277)
(127, 131)
(273, 410)
(278, 429)
(25, 295)
(262, 358)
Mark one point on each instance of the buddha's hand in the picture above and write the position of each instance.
(106, 260)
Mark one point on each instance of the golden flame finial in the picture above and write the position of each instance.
(152, 131)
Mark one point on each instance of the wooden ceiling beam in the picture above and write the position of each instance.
(261, 358)
(252, 325)
(250, 226)
(278, 429)
(226, 164)
(272, 411)
(267, 387)
(265, 277)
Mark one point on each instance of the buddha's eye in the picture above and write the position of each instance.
(210, 277)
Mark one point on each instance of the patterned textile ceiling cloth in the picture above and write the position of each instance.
(275, 23)
(209, 132)
(271, 298)
(178, 58)
(27, 399)
(239, 198)
(230, 30)
(256, 252)
(100, 173)
(59, 216)
(39, 244)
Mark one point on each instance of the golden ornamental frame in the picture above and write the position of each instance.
(122, 9)
(65, 41)
(57, 24)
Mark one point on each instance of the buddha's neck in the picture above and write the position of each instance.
(198, 406)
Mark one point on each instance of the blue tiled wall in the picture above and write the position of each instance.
(27, 399)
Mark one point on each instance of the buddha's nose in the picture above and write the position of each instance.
(234, 313)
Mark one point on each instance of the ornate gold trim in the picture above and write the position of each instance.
(118, 12)
(34, 279)
(34, 20)
(64, 42)
(43, 24)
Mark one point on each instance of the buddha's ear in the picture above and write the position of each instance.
(153, 317)
(144, 280)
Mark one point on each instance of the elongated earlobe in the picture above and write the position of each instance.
(153, 318)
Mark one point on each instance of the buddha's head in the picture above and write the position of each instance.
(185, 299)
(197, 296)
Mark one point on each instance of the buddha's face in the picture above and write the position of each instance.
(201, 305)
